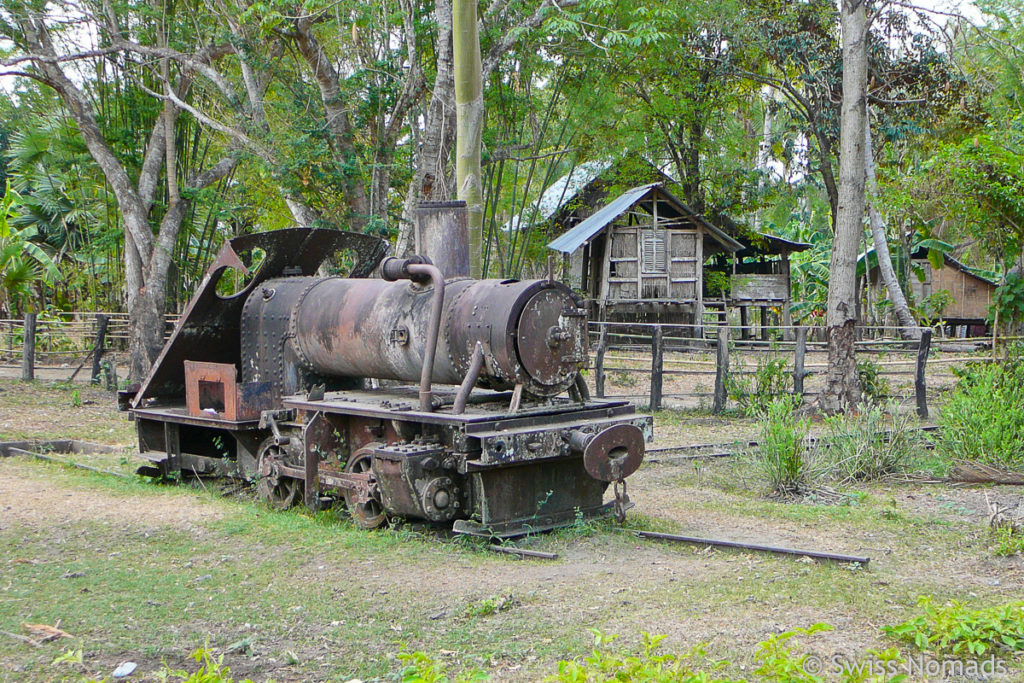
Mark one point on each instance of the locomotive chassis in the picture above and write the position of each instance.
(489, 462)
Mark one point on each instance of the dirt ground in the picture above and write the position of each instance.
(324, 601)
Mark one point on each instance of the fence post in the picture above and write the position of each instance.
(602, 346)
(97, 352)
(28, 353)
(657, 363)
(721, 371)
(920, 387)
(798, 361)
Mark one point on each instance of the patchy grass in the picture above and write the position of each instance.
(147, 573)
(58, 410)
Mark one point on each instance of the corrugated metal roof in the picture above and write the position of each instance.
(573, 239)
(559, 193)
(576, 237)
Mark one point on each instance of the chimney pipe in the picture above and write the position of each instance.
(442, 235)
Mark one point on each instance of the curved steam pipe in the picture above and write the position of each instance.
(419, 270)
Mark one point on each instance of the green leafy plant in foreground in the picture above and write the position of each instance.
(981, 419)
(211, 670)
(953, 629)
(605, 664)
(778, 659)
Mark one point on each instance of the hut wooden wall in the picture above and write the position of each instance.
(655, 264)
(971, 296)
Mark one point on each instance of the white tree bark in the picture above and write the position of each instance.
(842, 385)
(881, 244)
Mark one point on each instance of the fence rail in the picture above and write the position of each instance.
(668, 351)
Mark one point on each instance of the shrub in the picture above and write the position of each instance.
(953, 629)
(754, 392)
(869, 444)
(874, 386)
(780, 453)
(605, 664)
(983, 419)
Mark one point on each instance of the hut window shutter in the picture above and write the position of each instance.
(654, 251)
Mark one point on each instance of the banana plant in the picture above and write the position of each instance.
(23, 263)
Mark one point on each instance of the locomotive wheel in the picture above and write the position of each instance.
(368, 514)
(280, 491)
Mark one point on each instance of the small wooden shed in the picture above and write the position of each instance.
(643, 257)
(971, 293)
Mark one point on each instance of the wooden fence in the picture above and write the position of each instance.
(716, 354)
(66, 339)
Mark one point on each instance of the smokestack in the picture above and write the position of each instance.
(442, 235)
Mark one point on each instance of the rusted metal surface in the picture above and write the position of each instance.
(457, 447)
(611, 454)
(348, 328)
(418, 271)
(211, 389)
(209, 328)
(816, 554)
(476, 364)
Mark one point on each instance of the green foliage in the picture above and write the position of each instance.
(780, 454)
(1009, 299)
(932, 307)
(955, 630)
(982, 418)
(23, 263)
(873, 385)
(716, 283)
(869, 443)
(605, 664)
(489, 606)
(755, 392)
(421, 668)
(777, 660)
(1007, 541)
(211, 670)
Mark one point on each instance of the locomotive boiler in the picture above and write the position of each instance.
(404, 395)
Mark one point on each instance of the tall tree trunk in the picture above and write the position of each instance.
(842, 386)
(431, 180)
(885, 269)
(469, 122)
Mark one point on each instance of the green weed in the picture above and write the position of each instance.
(1007, 541)
(873, 385)
(211, 670)
(489, 606)
(953, 629)
(754, 393)
(869, 444)
(780, 455)
(981, 419)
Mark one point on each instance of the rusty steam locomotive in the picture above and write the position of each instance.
(301, 384)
